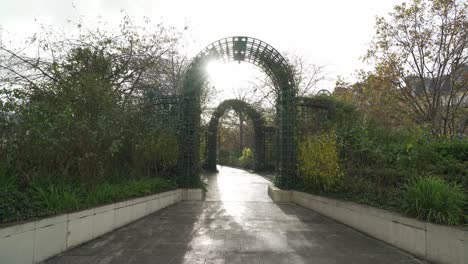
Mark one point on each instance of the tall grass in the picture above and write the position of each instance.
(54, 196)
(435, 200)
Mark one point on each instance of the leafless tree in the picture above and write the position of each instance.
(307, 77)
(143, 56)
(421, 50)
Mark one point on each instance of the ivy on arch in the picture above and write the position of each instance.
(240, 107)
(240, 49)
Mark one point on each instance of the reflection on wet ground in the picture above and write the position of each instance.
(238, 223)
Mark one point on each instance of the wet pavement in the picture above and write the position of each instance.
(238, 223)
(234, 185)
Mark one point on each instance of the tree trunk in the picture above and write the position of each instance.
(241, 132)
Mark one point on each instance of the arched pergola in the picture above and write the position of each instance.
(241, 49)
(240, 107)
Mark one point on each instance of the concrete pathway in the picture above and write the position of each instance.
(238, 223)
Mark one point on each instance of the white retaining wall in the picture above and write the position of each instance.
(436, 243)
(36, 241)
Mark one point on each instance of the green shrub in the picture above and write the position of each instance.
(157, 154)
(377, 160)
(104, 193)
(447, 159)
(107, 193)
(57, 197)
(15, 205)
(83, 126)
(247, 158)
(53, 195)
(319, 162)
(229, 158)
(375, 186)
(435, 200)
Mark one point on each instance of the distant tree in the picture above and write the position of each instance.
(243, 93)
(375, 98)
(140, 55)
(239, 124)
(421, 50)
(307, 76)
(262, 94)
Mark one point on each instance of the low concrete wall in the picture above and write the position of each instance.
(193, 194)
(436, 243)
(278, 195)
(36, 241)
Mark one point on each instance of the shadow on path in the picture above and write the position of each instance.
(238, 223)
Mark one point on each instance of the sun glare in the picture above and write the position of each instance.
(219, 74)
(231, 76)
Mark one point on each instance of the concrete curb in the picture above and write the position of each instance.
(436, 243)
(37, 241)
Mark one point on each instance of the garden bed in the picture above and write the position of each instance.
(54, 196)
(438, 243)
(25, 242)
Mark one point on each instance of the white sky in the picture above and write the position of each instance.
(334, 33)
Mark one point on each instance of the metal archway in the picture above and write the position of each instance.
(241, 49)
(238, 106)
(324, 92)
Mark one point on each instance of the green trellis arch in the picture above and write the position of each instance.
(266, 57)
(240, 107)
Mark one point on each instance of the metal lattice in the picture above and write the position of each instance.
(314, 114)
(212, 133)
(241, 49)
(269, 147)
(253, 51)
(165, 100)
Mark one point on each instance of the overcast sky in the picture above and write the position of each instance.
(334, 33)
